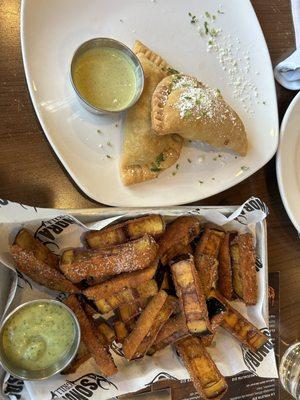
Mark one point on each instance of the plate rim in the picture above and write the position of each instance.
(124, 203)
(279, 156)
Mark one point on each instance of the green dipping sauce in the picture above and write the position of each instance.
(38, 335)
(105, 77)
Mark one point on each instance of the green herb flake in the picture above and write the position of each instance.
(174, 173)
(98, 131)
(116, 125)
(214, 17)
(177, 166)
(193, 18)
(215, 158)
(244, 168)
(206, 29)
(219, 155)
(210, 42)
(187, 114)
(160, 158)
(108, 156)
(200, 182)
(172, 70)
(154, 168)
(220, 12)
(198, 102)
(264, 103)
(189, 160)
(207, 14)
(203, 113)
(213, 33)
(109, 144)
(218, 92)
(190, 141)
(187, 97)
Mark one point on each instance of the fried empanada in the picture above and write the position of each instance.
(144, 154)
(181, 104)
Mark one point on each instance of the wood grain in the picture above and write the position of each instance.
(31, 173)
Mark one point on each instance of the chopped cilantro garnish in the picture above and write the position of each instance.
(214, 17)
(177, 166)
(215, 158)
(172, 70)
(108, 156)
(264, 102)
(213, 33)
(198, 101)
(220, 12)
(210, 42)
(187, 97)
(187, 114)
(244, 168)
(203, 113)
(174, 173)
(154, 168)
(219, 155)
(193, 18)
(98, 131)
(189, 160)
(218, 92)
(160, 158)
(109, 144)
(206, 28)
(207, 14)
(200, 182)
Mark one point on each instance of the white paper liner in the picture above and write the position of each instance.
(62, 231)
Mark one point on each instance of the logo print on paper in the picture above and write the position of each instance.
(82, 388)
(254, 360)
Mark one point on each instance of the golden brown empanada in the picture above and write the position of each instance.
(144, 154)
(181, 104)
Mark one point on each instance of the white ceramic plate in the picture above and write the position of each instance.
(52, 30)
(288, 161)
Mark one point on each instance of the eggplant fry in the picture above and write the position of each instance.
(242, 329)
(80, 264)
(191, 296)
(91, 338)
(178, 233)
(32, 257)
(81, 357)
(129, 311)
(207, 379)
(210, 241)
(123, 281)
(207, 267)
(107, 332)
(174, 329)
(225, 279)
(120, 233)
(144, 324)
(26, 241)
(145, 290)
(122, 331)
(243, 267)
(164, 314)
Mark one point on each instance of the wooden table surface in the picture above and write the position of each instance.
(32, 174)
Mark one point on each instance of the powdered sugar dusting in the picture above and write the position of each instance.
(197, 102)
(180, 81)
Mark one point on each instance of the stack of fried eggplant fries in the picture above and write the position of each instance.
(143, 284)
